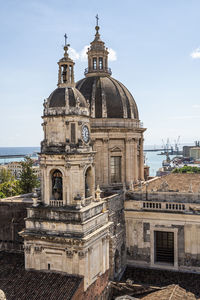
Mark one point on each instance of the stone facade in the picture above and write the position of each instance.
(91, 152)
(12, 214)
(168, 211)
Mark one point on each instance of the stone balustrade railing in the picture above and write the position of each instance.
(56, 203)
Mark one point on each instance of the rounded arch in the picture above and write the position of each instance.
(89, 181)
(56, 184)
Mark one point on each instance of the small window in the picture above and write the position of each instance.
(183, 206)
(166, 206)
(94, 63)
(73, 133)
(100, 63)
(170, 206)
(143, 204)
(156, 205)
(49, 267)
(159, 205)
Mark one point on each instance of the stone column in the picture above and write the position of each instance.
(135, 162)
(141, 162)
(46, 186)
(105, 158)
(128, 165)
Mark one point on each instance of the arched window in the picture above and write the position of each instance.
(57, 185)
(100, 63)
(88, 182)
(94, 63)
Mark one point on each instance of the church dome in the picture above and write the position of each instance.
(109, 97)
(60, 95)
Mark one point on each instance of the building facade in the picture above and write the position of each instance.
(163, 223)
(92, 150)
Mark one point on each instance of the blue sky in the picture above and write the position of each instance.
(156, 43)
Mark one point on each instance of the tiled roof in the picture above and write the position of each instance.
(176, 182)
(171, 292)
(19, 284)
(163, 278)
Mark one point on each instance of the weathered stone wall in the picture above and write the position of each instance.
(98, 290)
(140, 228)
(117, 247)
(12, 216)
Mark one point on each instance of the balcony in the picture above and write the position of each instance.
(104, 70)
(56, 203)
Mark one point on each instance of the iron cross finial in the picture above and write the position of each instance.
(97, 17)
(65, 36)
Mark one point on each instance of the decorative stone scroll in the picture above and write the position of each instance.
(81, 254)
(27, 249)
(38, 249)
(69, 253)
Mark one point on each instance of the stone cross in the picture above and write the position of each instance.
(97, 17)
(65, 36)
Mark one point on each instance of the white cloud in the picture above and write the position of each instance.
(82, 55)
(196, 106)
(196, 53)
(112, 54)
(73, 54)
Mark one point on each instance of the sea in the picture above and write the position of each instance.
(152, 159)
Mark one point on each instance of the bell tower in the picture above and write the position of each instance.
(68, 229)
(66, 68)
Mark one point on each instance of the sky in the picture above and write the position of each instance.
(155, 53)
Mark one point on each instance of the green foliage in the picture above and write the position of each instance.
(28, 180)
(187, 169)
(10, 188)
(5, 176)
(2, 195)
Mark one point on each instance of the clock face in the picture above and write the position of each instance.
(85, 134)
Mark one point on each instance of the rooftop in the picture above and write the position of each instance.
(174, 182)
(17, 283)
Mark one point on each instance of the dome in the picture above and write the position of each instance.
(58, 97)
(112, 95)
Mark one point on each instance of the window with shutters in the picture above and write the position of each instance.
(164, 247)
(115, 169)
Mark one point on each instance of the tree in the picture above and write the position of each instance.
(9, 189)
(187, 169)
(5, 176)
(28, 180)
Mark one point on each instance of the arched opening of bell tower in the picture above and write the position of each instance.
(56, 185)
(88, 182)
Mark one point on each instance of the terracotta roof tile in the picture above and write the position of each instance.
(19, 284)
(171, 292)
